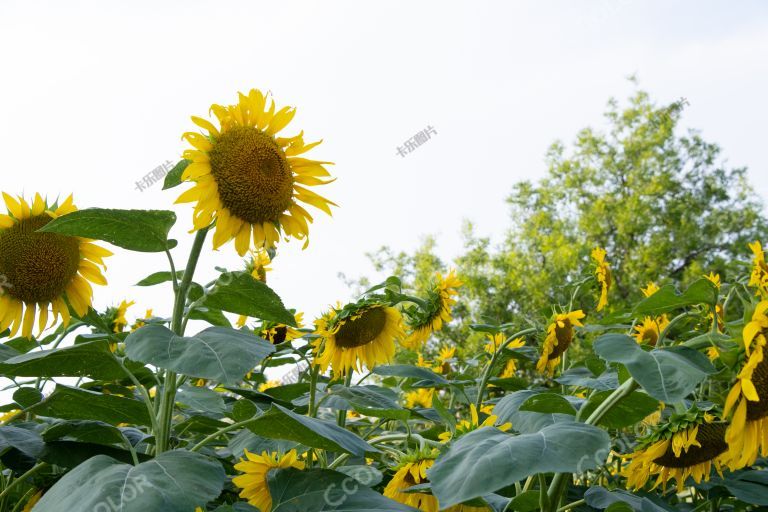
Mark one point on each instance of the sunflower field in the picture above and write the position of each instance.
(662, 406)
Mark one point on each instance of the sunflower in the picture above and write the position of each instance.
(141, 322)
(497, 340)
(255, 469)
(411, 471)
(421, 397)
(713, 278)
(759, 276)
(509, 369)
(257, 267)
(649, 289)
(444, 357)
(43, 271)
(713, 353)
(423, 322)
(748, 432)
(117, 316)
(359, 334)
(467, 426)
(603, 275)
(249, 180)
(268, 385)
(648, 332)
(559, 338)
(278, 333)
(683, 448)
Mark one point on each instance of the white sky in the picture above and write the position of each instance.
(96, 94)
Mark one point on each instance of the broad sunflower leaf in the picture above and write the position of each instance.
(79, 404)
(91, 359)
(369, 400)
(549, 403)
(584, 378)
(321, 490)
(668, 374)
(201, 399)
(175, 481)
(26, 441)
(628, 411)
(487, 459)
(666, 299)
(159, 278)
(282, 423)
(412, 372)
(85, 431)
(749, 485)
(135, 230)
(242, 294)
(601, 498)
(217, 353)
(508, 410)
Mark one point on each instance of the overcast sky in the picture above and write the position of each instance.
(96, 94)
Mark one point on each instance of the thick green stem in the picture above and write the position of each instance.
(543, 496)
(314, 373)
(17, 481)
(223, 431)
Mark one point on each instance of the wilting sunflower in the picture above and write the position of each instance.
(362, 333)
(421, 397)
(748, 432)
(687, 446)
(559, 338)
(43, 271)
(257, 267)
(603, 275)
(422, 322)
(249, 180)
(648, 332)
(759, 276)
(467, 426)
(255, 469)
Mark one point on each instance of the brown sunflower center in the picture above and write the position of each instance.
(279, 335)
(711, 436)
(253, 175)
(37, 266)
(759, 410)
(362, 330)
(650, 336)
(564, 337)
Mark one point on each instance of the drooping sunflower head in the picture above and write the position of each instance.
(412, 470)
(602, 275)
(41, 272)
(423, 321)
(249, 180)
(473, 423)
(748, 398)
(116, 316)
(759, 276)
(648, 331)
(255, 469)
(360, 334)
(688, 445)
(559, 337)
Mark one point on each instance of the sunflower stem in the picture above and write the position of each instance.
(35, 469)
(489, 369)
(543, 496)
(313, 375)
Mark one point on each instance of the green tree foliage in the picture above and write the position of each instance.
(662, 202)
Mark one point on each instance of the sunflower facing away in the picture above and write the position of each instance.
(359, 334)
(603, 275)
(648, 332)
(249, 180)
(255, 469)
(41, 272)
(441, 297)
(748, 432)
(559, 338)
(678, 450)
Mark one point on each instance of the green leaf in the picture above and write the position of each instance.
(26, 441)
(487, 459)
(628, 411)
(175, 481)
(749, 485)
(321, 490)
(135, 230)
(173, 178)
(601, 498)
(548, 403)
(79, 404)
(584, 378)
(281, 423)
(27, 397)
(369, 400)
(217, 353)
(527, 501)
(508, 410)
(92, 359)
(86, 431)
(159, 278)
(201, 399)
(247, 440)
(70, 454)
(412, 372)
(668, 374)
(700, 292)
(212, 316)
(242, 294)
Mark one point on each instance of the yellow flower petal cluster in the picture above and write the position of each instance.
(255, 469)
(559, 337)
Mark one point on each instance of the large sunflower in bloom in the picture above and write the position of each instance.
(423, 322)
(748, 432)
(359, 334)
(687, 448)
(255, 469)
(40, 272)
(559, 337)
(249, 180)
(602, 274)
(648, 331)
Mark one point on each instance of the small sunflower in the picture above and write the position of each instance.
(713, 353)
(43, 271)
(497, 340)
(249, 180)
(280, 333)
(683, 448)
(141, 322)
(421, 397)
(411, 471)
(359, 334)
(713, 278)
(268, 385)
(444, 357)
(509, 369)
(603, 275)
(257, 267)
(117, 316)
(748, 432)
(759, 276)
(559, 337)
(648, 332)
(467, 426)
(423, 322)
(649, 289)
(255, 469)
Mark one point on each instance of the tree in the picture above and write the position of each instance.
(663, 204)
